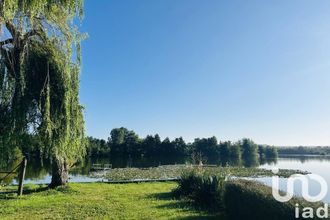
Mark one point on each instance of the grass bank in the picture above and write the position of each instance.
(100, 201)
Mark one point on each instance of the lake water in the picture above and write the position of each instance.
(314, 164)
(40, 173)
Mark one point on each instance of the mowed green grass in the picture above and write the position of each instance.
(99, 201)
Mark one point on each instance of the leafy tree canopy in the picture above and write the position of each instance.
(39, 78)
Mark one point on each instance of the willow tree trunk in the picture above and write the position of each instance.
(60, 173)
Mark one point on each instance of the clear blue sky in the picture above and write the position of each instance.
(197, 68)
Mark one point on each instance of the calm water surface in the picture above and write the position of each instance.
(314, 164)
(40, 173)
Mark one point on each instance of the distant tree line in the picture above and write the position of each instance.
(123, 144)
(126, 143)
(317, 150)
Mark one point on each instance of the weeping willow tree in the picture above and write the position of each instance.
(39, 80)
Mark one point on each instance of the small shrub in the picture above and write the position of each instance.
(209, 193)
(203, 190)
(187, 184)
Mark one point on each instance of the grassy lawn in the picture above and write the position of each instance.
(99, 201)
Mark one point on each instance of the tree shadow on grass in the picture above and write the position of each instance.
(28, 190)
(203, 217)
(161, 196)
(11, 193)
(174, 203)
(8, 194)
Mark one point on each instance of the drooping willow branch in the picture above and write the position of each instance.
(39, 80)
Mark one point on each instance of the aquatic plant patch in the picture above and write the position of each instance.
(175, 171)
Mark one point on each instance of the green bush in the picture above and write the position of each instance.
(252, 200)
(237, 199)
(187, 184)
(203, 190)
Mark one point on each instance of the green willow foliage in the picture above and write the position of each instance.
(39, 77)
